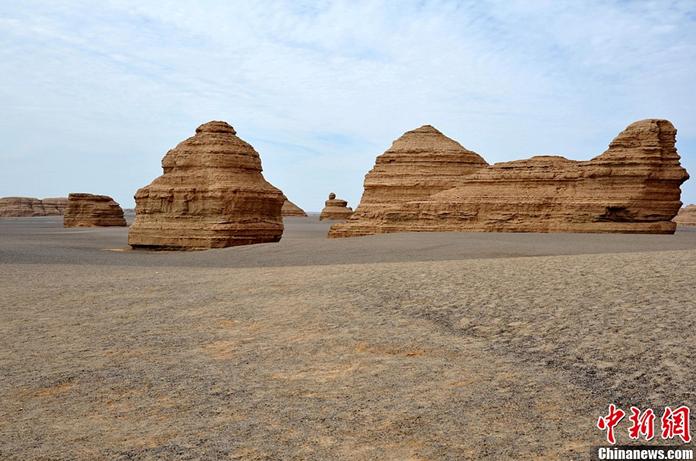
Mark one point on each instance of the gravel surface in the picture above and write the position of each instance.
(466, 358)
(304, 243)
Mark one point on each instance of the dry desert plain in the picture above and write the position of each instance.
(393, 347)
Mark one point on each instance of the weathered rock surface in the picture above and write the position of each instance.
(54, 206)
(335, 209)
(419, 164)
(20, 207)
(686, 216)
(212, 195)
(89, 210)
(29, 206)
(290, 209)
(633, 187)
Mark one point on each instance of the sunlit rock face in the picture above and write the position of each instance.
(633, 187)
(89, 210)
(211, 195)
(419, 164)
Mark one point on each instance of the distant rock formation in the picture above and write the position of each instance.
(686, 216)
(335, 209)
(29, 206)
(212, 195)
(89, 210)
(55, 206)
(290, 209)
(633, 187)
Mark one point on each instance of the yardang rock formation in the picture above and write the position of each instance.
(633, 187)
(89, 210)
(419, 164)
(212, 195)
(335, 209)
(686, 216)
(290, 209)
(29, 206)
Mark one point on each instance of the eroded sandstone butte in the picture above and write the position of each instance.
(335, 209)
(290, 209)
(29, 206)
(633, 187)
(90, 210)
(419, 164)
(686, 216)
(211, 195)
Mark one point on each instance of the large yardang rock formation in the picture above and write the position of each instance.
(89, 210)
(29, 206)
(419, 164)
(633, 187)
(335, 209)
(212, 195)
(290, 209)
(686, 216)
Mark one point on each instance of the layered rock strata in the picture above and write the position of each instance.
(420, 163)
(89, 210)
(633, 187)
(290, 209)
(54, 206)
(29, 206)
(211, 195)
(335, 209)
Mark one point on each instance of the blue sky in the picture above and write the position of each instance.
(94, 93)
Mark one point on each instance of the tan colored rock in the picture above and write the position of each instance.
(290, 209)
(419, 164)
(89, 210)
(686, 216)
(20, 207)
(335, 209)
(55, 206)
(212, 195)
(29, 206)
(633, 187)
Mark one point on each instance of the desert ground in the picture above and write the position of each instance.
(392, 347)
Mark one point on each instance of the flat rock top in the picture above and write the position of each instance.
(86, 196)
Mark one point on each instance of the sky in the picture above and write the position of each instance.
(94, 93)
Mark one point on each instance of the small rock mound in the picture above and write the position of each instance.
(335, 209)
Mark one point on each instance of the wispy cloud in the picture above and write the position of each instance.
(93, 96)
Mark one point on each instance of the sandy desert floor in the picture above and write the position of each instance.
(394, 347)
